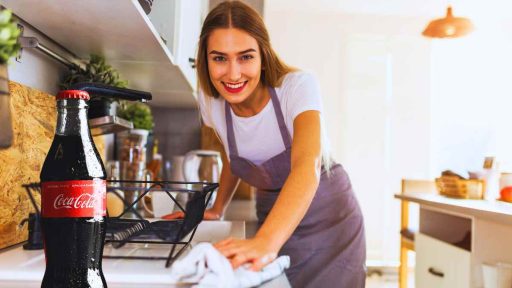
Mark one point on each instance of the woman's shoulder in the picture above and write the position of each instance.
(297, 78)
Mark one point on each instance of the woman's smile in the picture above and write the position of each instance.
(234, 88)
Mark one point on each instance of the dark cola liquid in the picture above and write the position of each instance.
(73, 246)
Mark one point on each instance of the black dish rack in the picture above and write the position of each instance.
(137, 229)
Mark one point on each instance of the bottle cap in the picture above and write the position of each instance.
(73, 94)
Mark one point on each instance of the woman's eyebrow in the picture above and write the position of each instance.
(239, 53)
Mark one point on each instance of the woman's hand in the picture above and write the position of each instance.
(257, 252)
(209, 214)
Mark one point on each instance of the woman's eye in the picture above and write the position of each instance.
(247, 57)
(219, 58)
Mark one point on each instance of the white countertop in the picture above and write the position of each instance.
(497, 211)
(23, 268)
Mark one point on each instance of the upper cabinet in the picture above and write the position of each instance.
(151, 51)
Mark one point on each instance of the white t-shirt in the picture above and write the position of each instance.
(258, 137)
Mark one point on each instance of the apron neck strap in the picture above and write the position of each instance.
(280, 119)
(233, 150)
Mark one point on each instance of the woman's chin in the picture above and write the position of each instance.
(234, 99)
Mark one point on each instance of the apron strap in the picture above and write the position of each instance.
(233, 150)
(280, 119)
(285, 135)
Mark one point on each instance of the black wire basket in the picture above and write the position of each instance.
(132, 227)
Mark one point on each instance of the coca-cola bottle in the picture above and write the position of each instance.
(73, 200)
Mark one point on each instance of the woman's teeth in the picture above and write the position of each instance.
(234, 86)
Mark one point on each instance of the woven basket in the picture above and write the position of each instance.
(455, 187)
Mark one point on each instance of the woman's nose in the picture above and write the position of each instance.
(234, 71)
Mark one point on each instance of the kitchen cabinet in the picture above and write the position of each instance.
(457, 236)
(122, 32)
(440, 265)
(179, 24)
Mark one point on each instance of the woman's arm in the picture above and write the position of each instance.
(292, 202)
(227, 186)
(300, 186)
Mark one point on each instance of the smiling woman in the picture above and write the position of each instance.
(268, 116)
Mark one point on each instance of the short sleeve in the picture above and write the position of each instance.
(304, 94)
(205, 107)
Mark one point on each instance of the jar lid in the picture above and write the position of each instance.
(73, 94)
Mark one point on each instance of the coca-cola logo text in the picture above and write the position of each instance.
(83, 201)
(73, 199)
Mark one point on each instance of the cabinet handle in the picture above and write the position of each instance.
(192, 62)
(435, 272)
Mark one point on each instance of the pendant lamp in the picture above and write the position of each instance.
(448, 27)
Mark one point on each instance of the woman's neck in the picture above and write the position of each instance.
(253, 104)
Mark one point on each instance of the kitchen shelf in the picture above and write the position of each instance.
(108, 125)
(121, 32)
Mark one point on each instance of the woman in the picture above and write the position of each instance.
(267, 116)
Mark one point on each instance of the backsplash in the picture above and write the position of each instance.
(34, 118)
(178, 130)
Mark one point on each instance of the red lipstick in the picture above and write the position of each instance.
(235, 90)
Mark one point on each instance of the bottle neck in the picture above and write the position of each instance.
(72, 118)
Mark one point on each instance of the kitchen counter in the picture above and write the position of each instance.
(22, 268)
(496, 211)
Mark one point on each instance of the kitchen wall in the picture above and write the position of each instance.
(399, 105)
(177, 130)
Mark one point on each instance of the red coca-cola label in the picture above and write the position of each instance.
(74, 199)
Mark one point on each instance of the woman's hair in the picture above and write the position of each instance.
(235, 14)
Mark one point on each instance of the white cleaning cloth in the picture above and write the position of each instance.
(206, 267)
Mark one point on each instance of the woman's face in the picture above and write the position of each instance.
(234, 64)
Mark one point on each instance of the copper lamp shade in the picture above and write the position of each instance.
(448, 27)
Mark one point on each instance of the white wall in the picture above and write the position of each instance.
(471, 98)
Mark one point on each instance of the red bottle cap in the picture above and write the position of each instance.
(73, 94)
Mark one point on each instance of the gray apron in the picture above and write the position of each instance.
(327, 249)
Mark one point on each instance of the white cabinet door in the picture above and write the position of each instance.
(179, 23)
(164, 15)
(189, 28)
(439, 264)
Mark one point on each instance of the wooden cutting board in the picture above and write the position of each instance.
(34, 117)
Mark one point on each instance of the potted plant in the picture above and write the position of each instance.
(96, 71)
(141, 117)
(9, 47)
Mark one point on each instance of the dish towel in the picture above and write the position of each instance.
(206, 267)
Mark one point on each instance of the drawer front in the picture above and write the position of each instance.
(439, 264)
